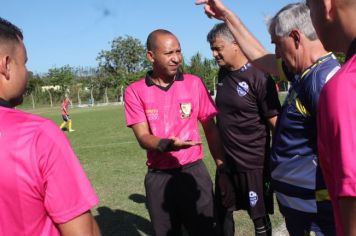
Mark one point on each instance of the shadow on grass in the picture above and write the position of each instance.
(119, 222)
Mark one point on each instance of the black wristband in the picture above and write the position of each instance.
(164, 145)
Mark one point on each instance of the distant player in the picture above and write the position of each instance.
(67, 121)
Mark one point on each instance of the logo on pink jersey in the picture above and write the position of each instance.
(152, 114)
(186, 110)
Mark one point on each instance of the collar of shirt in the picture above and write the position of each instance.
(243, 68)
(149, 82)
(4, 103)
(224, 71)
(352, 50)
(319, 61)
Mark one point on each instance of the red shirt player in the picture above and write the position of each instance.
(67, 121)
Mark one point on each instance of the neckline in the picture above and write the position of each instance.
(5, 103)
(351, 51)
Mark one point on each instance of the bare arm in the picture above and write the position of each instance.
(150, 142)
(348, 214)
(213, 138)
(250, 46)
(83, 225)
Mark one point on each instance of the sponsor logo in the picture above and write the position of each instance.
(253, 198)
(242, 88)
(152, 114)
(185, 110)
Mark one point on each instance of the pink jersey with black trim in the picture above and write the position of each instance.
(171, 113)
(337, 135)
(41, 180)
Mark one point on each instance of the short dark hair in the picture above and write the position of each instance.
(152, 37)
(220, 30)
(9, 32)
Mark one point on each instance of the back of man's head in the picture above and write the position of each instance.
(295, 16)
(220, 30)
(9, 33)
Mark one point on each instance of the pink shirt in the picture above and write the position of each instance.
(64, 106)
(41, 180)
(337, 135)
(171, 113)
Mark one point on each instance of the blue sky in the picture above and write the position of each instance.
(73, 32)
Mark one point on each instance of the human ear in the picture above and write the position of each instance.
(4, 65)
(296, 37)
(328, 8)
(150, 56)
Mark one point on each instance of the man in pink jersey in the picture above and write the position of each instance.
(163, 110)
(334, 22)
(43, 189)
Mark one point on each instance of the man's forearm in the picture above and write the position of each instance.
(250, 46)
(214, 143)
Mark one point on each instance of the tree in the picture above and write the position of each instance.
(126, 56)
(59, 81)
(34, 85)
(204, 68)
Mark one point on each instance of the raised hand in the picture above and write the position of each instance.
(213, 8)
(199, 2)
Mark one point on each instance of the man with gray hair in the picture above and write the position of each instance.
(296, 174)
(248, 106)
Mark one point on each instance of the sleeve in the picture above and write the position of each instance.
(134, 110)
(342, 135)
(207, 108)
(314, 88)
(337, 134)
(267, 97)
(67, 190)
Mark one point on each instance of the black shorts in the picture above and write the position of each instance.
(180, 197)
(252, 193)
(66, 117)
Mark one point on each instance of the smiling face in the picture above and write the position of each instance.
(224, 52)
(166, 56)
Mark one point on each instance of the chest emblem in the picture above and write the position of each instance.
(242, 89)
(185, 110)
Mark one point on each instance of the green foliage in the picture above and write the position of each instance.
(61, 77)
(204, 68)
(127, 56)
(340, 57)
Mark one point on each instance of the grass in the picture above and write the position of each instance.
(115, 164)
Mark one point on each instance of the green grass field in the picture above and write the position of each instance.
(116, 167)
